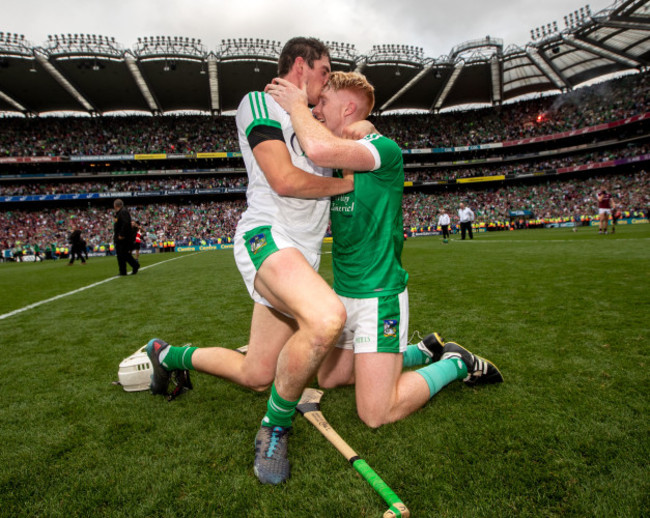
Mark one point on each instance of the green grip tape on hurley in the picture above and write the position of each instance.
(378, 485)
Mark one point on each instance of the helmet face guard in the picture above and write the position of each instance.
(135, 372)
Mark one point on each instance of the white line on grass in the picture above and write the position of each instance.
(577, 241)
(40, 303)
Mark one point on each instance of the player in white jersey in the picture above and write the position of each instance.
(297, 317)
(368, 275)
(296, 222)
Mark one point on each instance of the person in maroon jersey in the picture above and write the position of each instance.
(616, 215)
(604, 209)
(137, 240)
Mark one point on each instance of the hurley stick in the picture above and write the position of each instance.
(309, 406)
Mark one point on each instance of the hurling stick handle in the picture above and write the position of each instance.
(318, 420)
(396, 506)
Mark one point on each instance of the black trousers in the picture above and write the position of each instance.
(77, 253)
(123, 252)
(467, 226)
(445, 231)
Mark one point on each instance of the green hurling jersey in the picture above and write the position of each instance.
(367, 227)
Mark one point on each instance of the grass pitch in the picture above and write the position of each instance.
(564, 315)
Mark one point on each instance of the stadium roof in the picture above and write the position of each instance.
(96, 75)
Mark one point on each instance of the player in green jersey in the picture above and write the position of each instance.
(368, 275)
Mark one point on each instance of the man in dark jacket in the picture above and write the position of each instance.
(123, 237)
(77, 246)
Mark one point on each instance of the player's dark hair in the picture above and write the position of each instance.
(309, 49)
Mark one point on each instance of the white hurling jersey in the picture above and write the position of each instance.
(303, 220)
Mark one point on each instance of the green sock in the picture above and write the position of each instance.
(442, 373)
(177, 358)
(414, 356)
(279, 411)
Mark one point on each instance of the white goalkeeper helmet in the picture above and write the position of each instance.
(135, 371)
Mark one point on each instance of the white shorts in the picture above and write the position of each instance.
(378, 324)
(254, 246)
(604, 211)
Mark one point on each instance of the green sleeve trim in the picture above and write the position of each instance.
(260, 111)
(262, 122)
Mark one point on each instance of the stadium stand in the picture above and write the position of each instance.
(524, 163)
(540, 179)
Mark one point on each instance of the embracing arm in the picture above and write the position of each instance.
(288, 180)
(319, 143)
(324, 148)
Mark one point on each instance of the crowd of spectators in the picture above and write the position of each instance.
(70, 136)
(210, 221)
(584, 107)
(139, 185)
(177, 183)
(436, 173)
(182, 224)
(549, 200)
(192, 223)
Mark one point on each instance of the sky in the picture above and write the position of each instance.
(435, 26)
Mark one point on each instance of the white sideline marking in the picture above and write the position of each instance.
(576, 241)
(40, 303)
